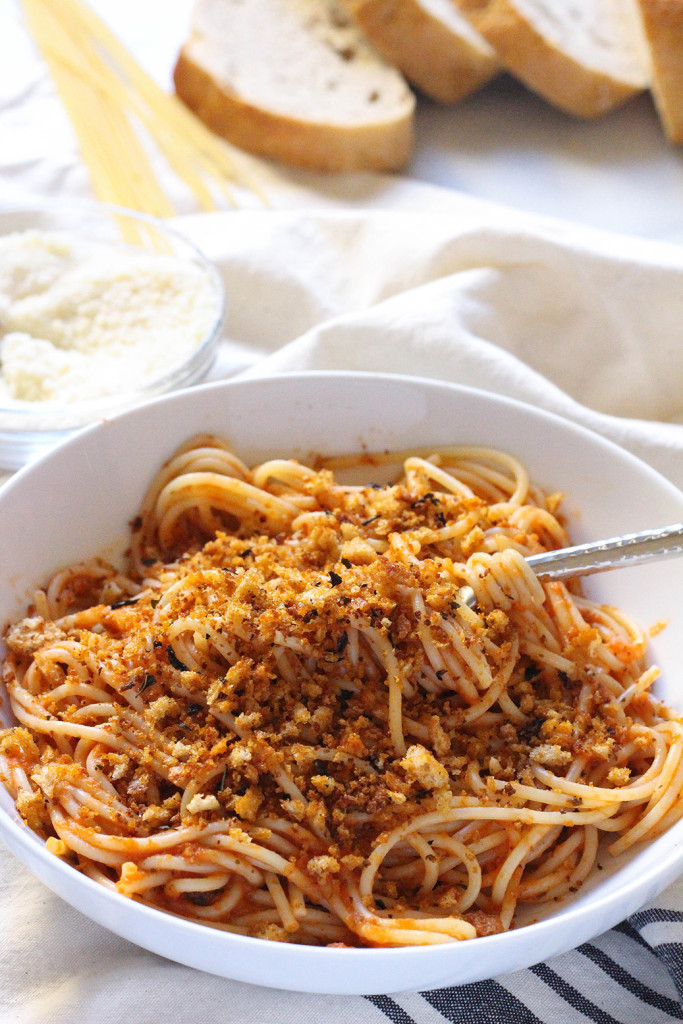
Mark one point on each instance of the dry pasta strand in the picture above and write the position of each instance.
(120, 114)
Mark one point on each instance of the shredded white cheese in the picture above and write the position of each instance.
(81, 321)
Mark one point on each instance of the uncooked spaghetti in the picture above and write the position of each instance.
(127, 127)
(282, 721)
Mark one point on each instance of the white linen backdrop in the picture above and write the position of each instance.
(582, 323)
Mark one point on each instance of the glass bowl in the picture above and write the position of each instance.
(96, 262)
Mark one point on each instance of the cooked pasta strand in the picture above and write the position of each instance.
(281, 720)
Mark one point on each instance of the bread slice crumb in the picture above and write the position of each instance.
(586, 57)
(663, 24)
(296, 81)
(431, 42)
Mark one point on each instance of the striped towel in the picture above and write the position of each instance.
(632, 974)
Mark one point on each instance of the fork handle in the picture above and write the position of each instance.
(616, 552)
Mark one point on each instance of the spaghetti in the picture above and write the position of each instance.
(125, 123)
(281, 721)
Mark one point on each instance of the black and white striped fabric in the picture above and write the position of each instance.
(632, 974)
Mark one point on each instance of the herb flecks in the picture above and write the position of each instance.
(148, 681)
(175, 661)
(124, 602)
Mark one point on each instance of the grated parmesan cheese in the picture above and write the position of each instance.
(83, 320)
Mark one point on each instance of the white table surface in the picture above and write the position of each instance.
(507, 145)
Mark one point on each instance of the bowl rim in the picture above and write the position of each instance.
(581, 922)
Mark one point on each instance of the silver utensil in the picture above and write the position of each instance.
(601, 555)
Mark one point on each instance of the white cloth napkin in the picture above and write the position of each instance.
(584, 323)
(581, 323)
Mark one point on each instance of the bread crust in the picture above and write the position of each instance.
(442, 64)
(381, 146)
(663, 22)
(544, 68)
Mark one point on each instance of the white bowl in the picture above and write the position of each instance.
(78, 501)
(30, 428)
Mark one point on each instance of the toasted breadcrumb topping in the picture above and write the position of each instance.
(254, 671)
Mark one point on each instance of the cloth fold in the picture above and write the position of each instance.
(582, 323)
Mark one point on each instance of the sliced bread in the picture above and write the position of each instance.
(584, 56)
(431, 42)
(663, 21)
(295, 80)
